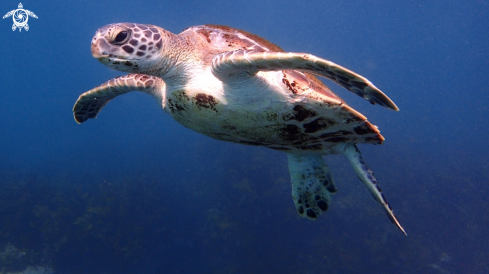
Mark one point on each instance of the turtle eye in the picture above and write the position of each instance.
(121, 37)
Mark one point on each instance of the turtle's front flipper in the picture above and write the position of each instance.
(367, 176)
(31, 14)
(8, 14)
(233, 62)
(312, 184)
(91, 102)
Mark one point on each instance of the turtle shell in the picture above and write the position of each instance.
(228, 39)
(217, 39)
(343, 122)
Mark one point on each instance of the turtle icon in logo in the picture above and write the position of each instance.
(20, 17)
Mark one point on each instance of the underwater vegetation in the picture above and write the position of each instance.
(233, 218)
(62, 224)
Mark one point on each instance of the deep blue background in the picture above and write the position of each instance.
(154, 197)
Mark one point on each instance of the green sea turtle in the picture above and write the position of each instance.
(234, 86)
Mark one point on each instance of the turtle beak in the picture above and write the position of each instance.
(95, 51)
(100, 48)
(99, 53)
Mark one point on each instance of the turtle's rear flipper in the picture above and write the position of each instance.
(312, 184)
(14, 27)
(367, 176)
(91, 102)
(26, 27)
(234, 62)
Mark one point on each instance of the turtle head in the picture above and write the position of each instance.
(134, 48)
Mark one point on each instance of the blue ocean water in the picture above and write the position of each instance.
(135, 192)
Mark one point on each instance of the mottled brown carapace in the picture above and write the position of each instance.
(302, 127)
(232, 37)
(235, 39)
